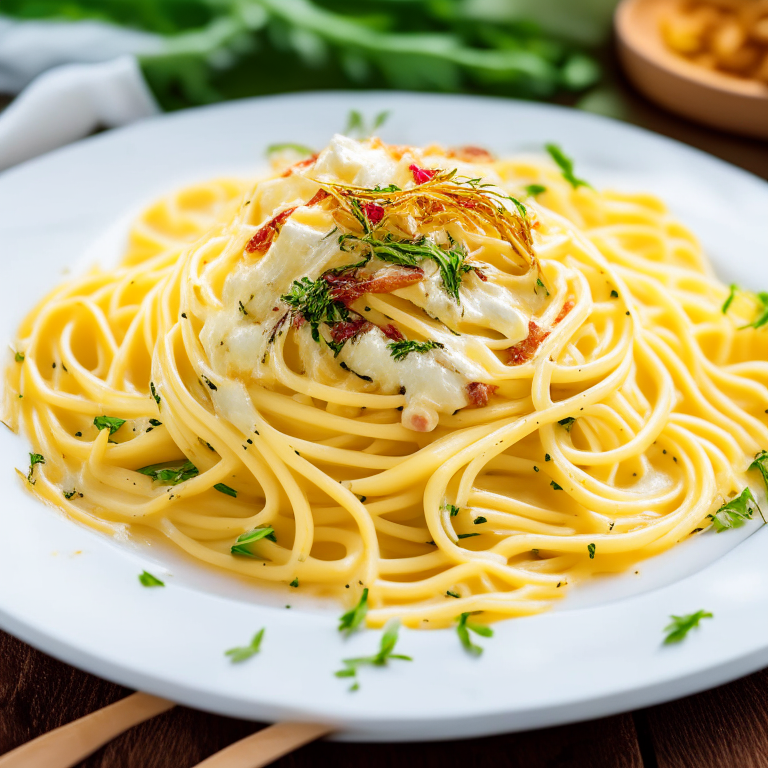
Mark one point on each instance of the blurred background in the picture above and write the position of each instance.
(183, 53)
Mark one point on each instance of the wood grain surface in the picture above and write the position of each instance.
(723, 728)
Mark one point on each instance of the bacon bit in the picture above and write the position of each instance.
(471, 154)
(341, 332)
(320, 195)
(419, 423)
(373, 212)
(479, 393)
(348, 288)
(391, 332)
(524, 350)
(297, 321)
(567, 307)
(261, 241)
(421, 175)
(298, 166)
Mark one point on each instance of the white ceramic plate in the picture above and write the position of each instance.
(597, 654)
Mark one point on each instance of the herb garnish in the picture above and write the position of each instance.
(357, 124)
(249, 537)
(556, 486)
(19, 357)
(289, 146)
(353, 618)
(452, 508)
(313, 301)
(761, 464)
(540, 284)
(148, 580)
(735, 513)
(170, 474)
(535, 189)
(112, 423)
(401, 349)
(682, 625)
(464, 627)
(388, 642)
(762, 299)
(614, 294)
(245, 652)
(156, 422)
(466, 535)
(567, 423)
(480, 520)
(731, 296)
(591, 550)
(154, 392)
(294, 583)
(221, 488)
(34, 458)
(565, 164)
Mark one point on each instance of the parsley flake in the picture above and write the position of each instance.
(565, 164)
(556, 486)
(155, 396)
(112, 423)
(464, 627)
(294, 583)
(452, 508)
(19, 357)
(467, 535)
(682, 625)
(245, 652)
(34, 458)
(249, 537)
(401, 349)
(591, 550)
(170, 473)
(532, 190)
(221, 488)
(148, 580)
(353, 618)
(735, 513)
(567, 423)
(480, 520)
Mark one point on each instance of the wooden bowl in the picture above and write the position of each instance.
(706, 96)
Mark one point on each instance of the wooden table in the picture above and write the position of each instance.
(723, 728)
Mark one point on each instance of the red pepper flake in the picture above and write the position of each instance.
(391, 332)
(348, 288)
(320, 195)
(265, 236)
(421, 175)
(525, 350)
(298, 166)
(479, 393)
(373, 212)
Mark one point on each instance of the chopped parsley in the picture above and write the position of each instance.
(353, 618)
(452, 594)
(401, 349)
(245, 652)
(295, 582)
(682, 625)
(210, 384)
(547, 457)
(289, 146)
(154, 392)
(540, 284)
(19, 357)
(556, 486)
(242, 308)
(480, 520)
(148, 580)
(761, 464)
(388, 642)
(464, 627)
(221, 488)
(34, 458)
(170, 473)
(249, 537)
(535, 189)
(112, 423)
(567, 423)
(565, 164)
(69, 494)
(591, 550)
(735, 513)
(313, 301)
(156, 422)
(731, 296)
(614, 294)
(467, 535)
(452, 508)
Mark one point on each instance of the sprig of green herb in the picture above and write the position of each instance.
(387, 645)
(112, 423)
(682, 625)
(245, 652)
(464, 627)
(148, 580)
(313, 301)
(221, 488)
(401, 349)
(354, 617)
(240, 547)
(565, 164)
(34, 459)
(170, 473)
(735, 513)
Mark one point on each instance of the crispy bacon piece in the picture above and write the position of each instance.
(479, 393)
(566, 308)
(319, 196)
(298, 166)
(391, 332)
(341, 332)
(471, 154)
(348, 288)
(420, 175)
(265, 236)
(373, 212)
(524, 350)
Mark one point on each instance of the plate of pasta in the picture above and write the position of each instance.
(450, 422)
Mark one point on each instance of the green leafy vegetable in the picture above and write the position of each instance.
(387, 645)
(245, 652)
(112, 423)
(221, 488)
(735, 513)
(464, 627)
(567, 423)
(565, 164)
(353, 618)
(169, 473)
(34, 458)
(148, 580)
(401, 349)
(540, 284)
(591, 550)
(682, 625)
(294, 583)
(313, 301)
(240, 547)
(535, 189)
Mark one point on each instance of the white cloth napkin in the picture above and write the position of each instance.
(76, 77)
